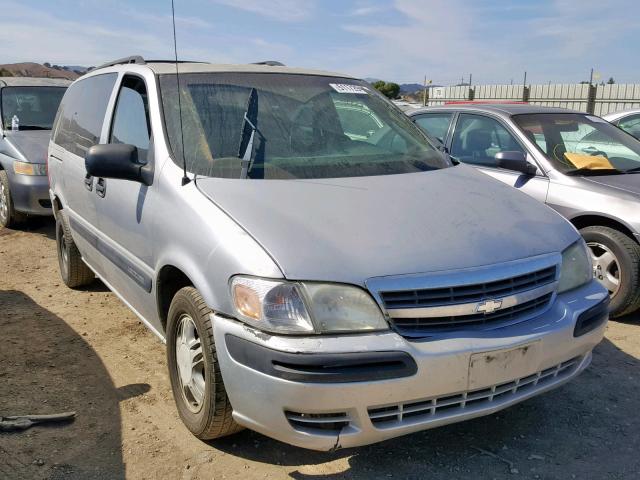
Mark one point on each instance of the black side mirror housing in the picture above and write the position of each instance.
(516, 161)
(117, 161)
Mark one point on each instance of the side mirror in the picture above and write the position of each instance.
(117, 161)
(516, 161)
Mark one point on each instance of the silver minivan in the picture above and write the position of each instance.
(319, 271)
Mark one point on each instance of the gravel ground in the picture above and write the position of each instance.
(83, 350)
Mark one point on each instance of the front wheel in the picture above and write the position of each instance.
(616, 265)
(9, 217)
(196, 381)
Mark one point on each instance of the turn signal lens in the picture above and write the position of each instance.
(246, 301)
(31, 169)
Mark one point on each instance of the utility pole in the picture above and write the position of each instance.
(524, 83)
(424, 93)
(470, 77)
(591, 77)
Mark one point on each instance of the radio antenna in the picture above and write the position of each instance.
(185, 178)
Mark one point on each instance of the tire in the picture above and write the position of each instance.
(626, 298)
(73, 270)
(9, 217)
(203, 404)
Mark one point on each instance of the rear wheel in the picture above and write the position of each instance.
(73, 270)
(8, 216)
(616, 265)
(198, 388)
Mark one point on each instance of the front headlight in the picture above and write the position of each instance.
(304, 307)
(576, 267)
(31, 169)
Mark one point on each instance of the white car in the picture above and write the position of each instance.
(627, 120)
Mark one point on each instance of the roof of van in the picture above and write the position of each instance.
(197, 67)
(33, 82)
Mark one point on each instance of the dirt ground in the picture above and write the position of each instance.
(63, 350)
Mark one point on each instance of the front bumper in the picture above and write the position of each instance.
(324, 415)
(30, 193)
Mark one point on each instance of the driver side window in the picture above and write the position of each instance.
(477, 139)
(131, 118)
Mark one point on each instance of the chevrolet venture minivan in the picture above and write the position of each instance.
(319, 271)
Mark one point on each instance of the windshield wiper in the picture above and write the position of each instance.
(591, 171)
(33, 127)
(249, 129)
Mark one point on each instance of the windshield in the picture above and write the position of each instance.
(578, 143)
(286, 126)
(35, 107)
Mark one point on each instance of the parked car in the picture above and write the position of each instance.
(31, 104)
(627, 120)
(324, 284)
(578, 164)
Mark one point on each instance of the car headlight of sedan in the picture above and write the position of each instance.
(304, 307)
(31, 169)
(576, 267)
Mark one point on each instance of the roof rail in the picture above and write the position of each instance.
(136, 59)
(270, 63)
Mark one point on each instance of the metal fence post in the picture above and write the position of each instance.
(472, 93)
(525, 94)
(591, 100)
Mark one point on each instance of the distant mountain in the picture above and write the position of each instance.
(410, 87)
(77, 68)
(30, 69)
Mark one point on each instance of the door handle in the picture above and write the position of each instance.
(101, 187)
(88, 182)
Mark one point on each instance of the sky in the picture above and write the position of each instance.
(395, 40)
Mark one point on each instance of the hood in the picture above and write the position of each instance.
(31, 145)
(629, 182)
(351, 229)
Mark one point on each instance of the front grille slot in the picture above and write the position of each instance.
(318, 422)
(433, 297)
(409, 325)
(442, 407)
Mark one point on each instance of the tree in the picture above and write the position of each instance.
(47, 64)
(611, 81)
(390, 90)
(5, 73)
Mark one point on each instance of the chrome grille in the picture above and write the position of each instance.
(420, 326)
(433, 297)
(433, 409)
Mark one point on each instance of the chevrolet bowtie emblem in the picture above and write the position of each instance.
(489, 306)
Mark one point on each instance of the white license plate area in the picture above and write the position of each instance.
(502, 366)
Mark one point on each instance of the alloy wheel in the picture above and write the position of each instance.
(606, 268)
(4, 204)
(190, 363)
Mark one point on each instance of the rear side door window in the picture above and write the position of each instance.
(130, 123)
(435, 124)
(82, 113)
(477, 139)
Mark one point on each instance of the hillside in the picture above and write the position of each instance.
(29, 69)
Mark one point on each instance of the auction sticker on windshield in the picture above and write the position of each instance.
(345, 88)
